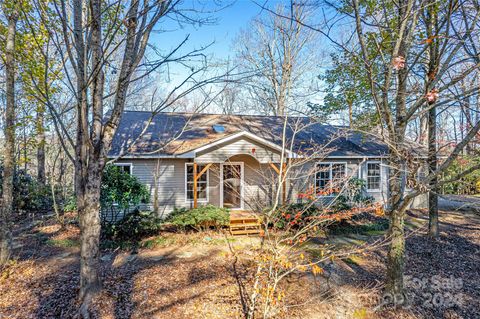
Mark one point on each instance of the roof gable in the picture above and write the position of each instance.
(242, 143)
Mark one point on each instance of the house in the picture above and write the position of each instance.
(234, 161)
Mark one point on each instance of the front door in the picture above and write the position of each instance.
(232, 185)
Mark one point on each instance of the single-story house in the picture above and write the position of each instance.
(234, 161)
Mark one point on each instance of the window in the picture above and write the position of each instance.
(126, 167)
(329, 177)
(373, 176)
(218, 128)
(202, 183)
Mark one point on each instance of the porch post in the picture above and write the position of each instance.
(196, 176)
(195, 186)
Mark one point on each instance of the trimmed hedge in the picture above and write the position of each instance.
(200, 218)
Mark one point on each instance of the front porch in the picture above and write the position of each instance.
(238, 172)
(240, 183)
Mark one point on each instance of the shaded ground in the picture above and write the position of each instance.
(196, 276)
(184, 276)
(442, 277)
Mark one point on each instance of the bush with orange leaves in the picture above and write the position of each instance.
(282, 252)
(352, 198)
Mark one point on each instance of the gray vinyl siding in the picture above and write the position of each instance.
(222, 152)
(170, 181)
(380, 195)
(260, 181)
(302, 178)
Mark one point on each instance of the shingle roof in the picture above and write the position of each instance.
(178, 133)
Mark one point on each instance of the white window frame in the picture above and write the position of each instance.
(199, 200)
(125, 164)
(373, 190)
(330, 175)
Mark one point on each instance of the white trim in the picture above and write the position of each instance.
(330, 174)
(242, 184)
(189, 201)
(125, 164)
(373, 190)
(191, 154)
(147, 156)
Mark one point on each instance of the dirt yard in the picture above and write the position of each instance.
(196, 276)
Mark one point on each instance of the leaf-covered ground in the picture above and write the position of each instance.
(196, 276)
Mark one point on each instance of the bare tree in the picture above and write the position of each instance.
(280, 55)
(40, 134)
(385, 43)
(398, 62)
(432, 32)
(103, 52)
(10, 11)
(95, 38)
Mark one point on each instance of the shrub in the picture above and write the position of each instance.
(374, 228)
(200, 218)
(297, 215)
(294, 215)
(28, 194)
(70, 204)
(468, 184)
(133, 227)
(122, 189)
(354, 195)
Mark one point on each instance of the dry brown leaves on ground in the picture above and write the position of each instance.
(201, 278)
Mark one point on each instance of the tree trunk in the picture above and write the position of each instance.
(432, 167)
(433, 61)
(396, 251)
(9, 152)
(397, 179)
(88, 203)
(423, 134)
(396, 260)
(40, 145)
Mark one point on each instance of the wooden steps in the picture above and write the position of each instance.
(245, 225)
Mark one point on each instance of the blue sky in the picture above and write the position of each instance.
(229, 21)
(230, 18)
